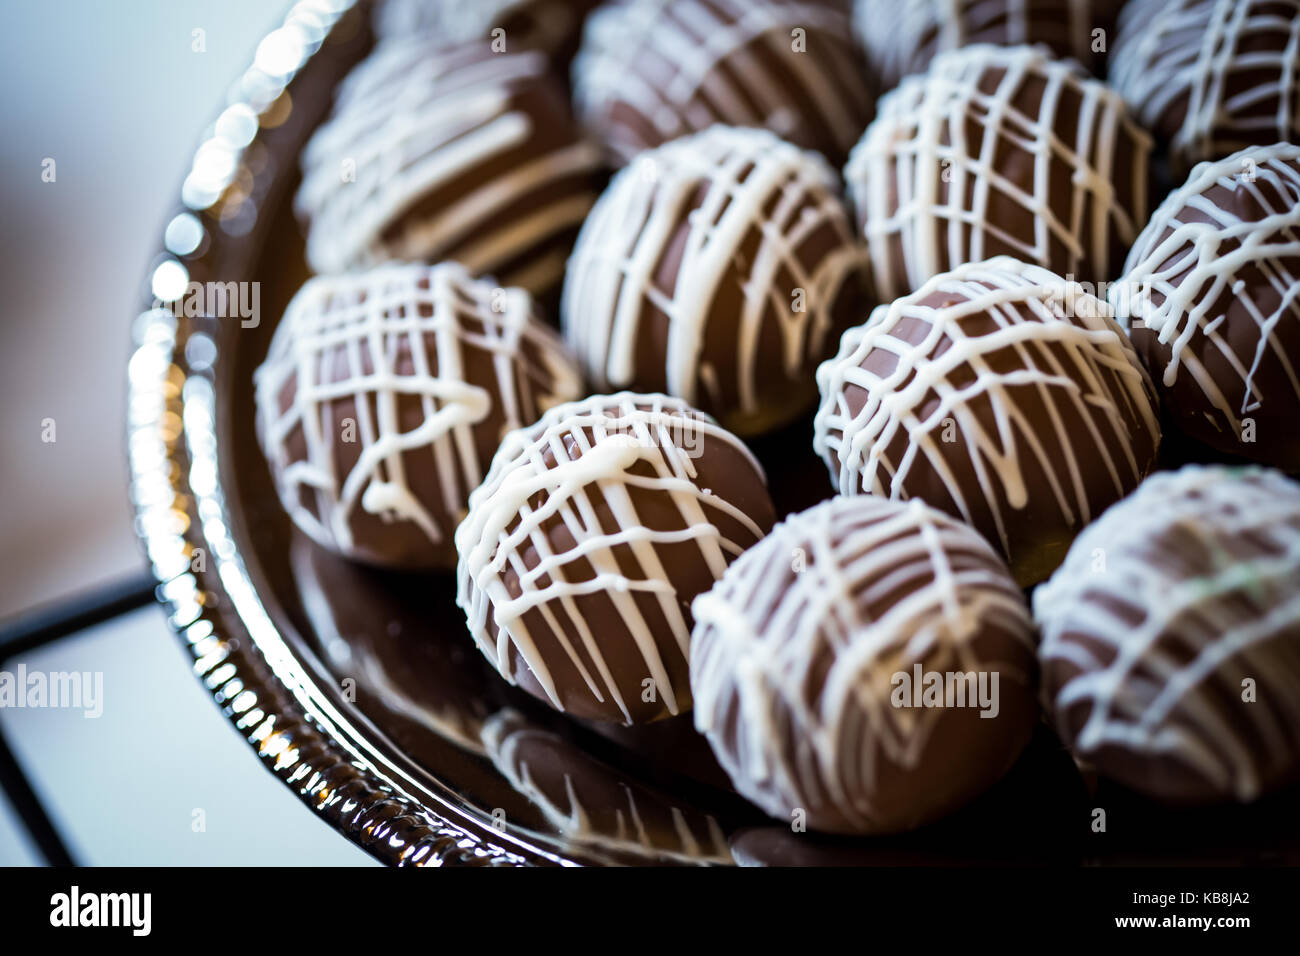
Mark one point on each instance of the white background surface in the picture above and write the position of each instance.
(114, 92)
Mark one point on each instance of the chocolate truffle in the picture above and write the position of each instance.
(902, 38)
(649, 71)
(457, 154)
(1211, 293)
(1171, 637)
(999, 150)
(1210, 77)
(383, 398)
(999, 393)
(867, 668)
(719, 268)
(585, 544)
(552, 26)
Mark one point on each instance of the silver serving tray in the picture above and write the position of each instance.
(362, 691)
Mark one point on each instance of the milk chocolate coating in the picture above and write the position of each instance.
(1171, 637)
(650, 71)
(720, 268)
(587, 541)
(1210, 77)
(1000, 394)
(376, 459)
(1212, 297)
(802, 656)
(456, 153)
(553, 26)
(999, 151)
(902, 38)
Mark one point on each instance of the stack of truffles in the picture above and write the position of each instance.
(581, 267)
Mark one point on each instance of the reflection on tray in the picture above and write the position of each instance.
(362, 618)
(400, 639)
(588, 801)
(653, 793)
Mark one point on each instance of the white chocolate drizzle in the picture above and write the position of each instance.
(918, 145)
(724, 186)
(547, 24)
(1066, 344)
(372, 323)
(593, 445)
(1191, 55)
(1180, 274)
(794, 731)
(1158, 652)
(411, 121)
(683, 65)
(893, 32)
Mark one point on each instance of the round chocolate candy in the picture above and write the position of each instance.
(999, 393)
(999, 151)
(902, 38)
(650, 71)
(1171, 637)
(867, 668)
(448, 154)
(552, 26)
(719, 268)
(585, 544)
(1211, 297)
(383, 398)
(1210, 77)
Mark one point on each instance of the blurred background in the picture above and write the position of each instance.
(117, 95)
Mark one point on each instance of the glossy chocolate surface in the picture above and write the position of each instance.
(361, 690)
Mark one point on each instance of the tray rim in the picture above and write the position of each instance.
(240, 656)
(333, 761)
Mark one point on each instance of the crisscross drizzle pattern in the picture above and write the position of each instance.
(651, 71)
(1198, 588)
(1199, 270)
(383, 344)
(902, 38)
(411, 123)
(616, 452)
(793, 651)
(911, 389)
(974, 159)
(525, 24)
(1213, 76)
(756, 213)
